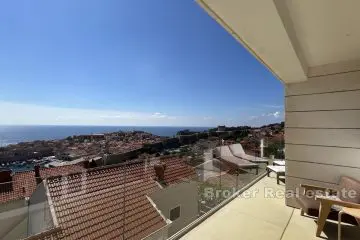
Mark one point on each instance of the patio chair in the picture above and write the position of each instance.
(326, 203)
(355, 212)
(238, 151)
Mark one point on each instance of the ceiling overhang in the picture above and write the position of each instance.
(287, 38)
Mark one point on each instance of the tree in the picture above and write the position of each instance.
(69, 138)
(275, 149)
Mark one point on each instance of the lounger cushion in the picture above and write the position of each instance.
(346, 185)
(279, 162)
(238, 151)
(277, 169)
(225, 154)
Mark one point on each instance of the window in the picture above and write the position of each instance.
(175, 213)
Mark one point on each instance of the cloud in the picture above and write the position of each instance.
(31, 114)
(162, 115)
(274, 114)
(272, 106)
(159, 115)
(265, 118)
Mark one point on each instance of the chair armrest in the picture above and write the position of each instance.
(313, 187)
(333, 201)
(308, 187)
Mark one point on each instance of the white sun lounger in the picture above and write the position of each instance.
(225, 154)
(279, 162)
(238, 151)
(279, 170)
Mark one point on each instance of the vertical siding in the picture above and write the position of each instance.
(322, 129)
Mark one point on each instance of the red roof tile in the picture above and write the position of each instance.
(24, 184)
(176, 170)
(111, 202)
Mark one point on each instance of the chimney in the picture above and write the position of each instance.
(5, 180)
(92, 164)
(160, 172)
(37, 174)
(86, 164)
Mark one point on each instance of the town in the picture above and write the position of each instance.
(116, 147)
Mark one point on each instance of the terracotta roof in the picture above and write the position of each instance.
(92, 205)
(24, 184)
(176, 170)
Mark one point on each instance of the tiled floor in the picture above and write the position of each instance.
(264, 217)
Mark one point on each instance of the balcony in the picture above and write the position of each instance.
(312, 47)
(258, 214)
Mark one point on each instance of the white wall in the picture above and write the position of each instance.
(184, 194)
(322, 133)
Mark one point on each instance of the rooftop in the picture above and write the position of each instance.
(24, 183)
(111, 202)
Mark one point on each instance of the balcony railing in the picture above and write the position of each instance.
(209, 186)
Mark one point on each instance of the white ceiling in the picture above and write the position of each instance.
(295, 39)
(328, 31)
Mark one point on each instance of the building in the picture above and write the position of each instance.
(318, 63)
(221, 128)
(312, 47)
(125, 201)
(16, 197)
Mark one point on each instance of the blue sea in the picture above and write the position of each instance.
(16, 134)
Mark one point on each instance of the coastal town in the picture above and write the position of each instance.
(75, 147)
(129, 145)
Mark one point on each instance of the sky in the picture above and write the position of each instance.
(128, 62)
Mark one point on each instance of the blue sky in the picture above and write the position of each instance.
(128, 62)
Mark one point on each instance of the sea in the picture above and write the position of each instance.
(16, 134)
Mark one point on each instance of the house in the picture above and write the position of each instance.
(16, 194)
(221, 128)
(126, 201)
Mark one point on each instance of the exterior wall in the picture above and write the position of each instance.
(11, 215)
(40, 218)
(121, 157)
(184, 194)
(322, 133)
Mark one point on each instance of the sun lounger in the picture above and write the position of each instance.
(238, 151)
(279, 162)
(279, 170)
(225, 154)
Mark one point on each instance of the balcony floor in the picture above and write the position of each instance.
(264, 218)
